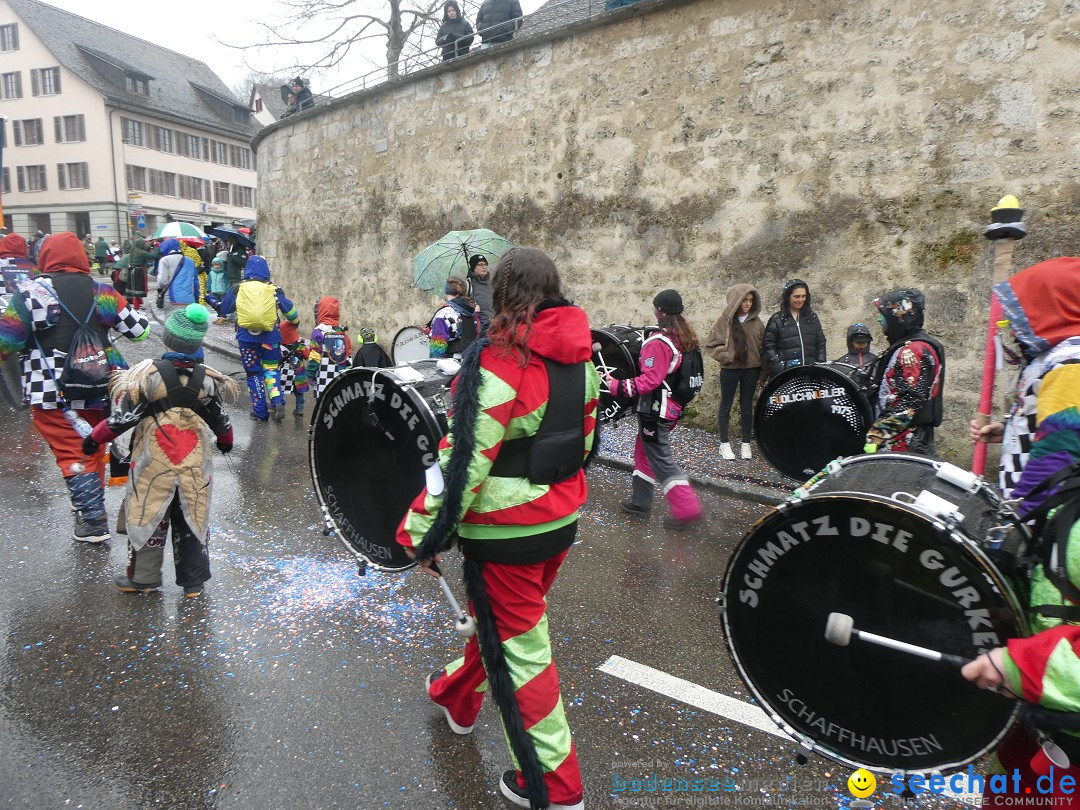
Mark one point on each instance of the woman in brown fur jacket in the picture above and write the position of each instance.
(735, 343)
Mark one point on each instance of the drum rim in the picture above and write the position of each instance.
(627, 408)
(862, 401)
(393, 343)
(985, 564)
(415, 399)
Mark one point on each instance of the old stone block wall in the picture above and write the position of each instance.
(698, 144)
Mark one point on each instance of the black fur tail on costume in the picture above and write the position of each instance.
(594, 451)
(466, 409)
(502, 687)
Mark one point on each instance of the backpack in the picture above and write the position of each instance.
(335, 348)
(85, 375)
(256, 306)
(686, 381)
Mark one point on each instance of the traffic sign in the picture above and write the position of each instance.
(140, 223)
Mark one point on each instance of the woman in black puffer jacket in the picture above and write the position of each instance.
(455, 36)
(793, 336)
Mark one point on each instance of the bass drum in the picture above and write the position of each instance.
(896, 542)
(616, 350)
(410, 344)
(809, 415)
(375, 436)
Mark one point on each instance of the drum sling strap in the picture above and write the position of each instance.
(1053, 520)
(557, 450)
(177, 393)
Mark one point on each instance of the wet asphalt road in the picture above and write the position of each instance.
(294, 683)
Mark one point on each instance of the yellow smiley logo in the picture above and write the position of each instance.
(861, 783)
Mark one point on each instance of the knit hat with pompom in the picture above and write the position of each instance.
(185, 329)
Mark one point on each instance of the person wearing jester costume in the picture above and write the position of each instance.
(294, 358)
(330, 348)
(173, 404)
(257, 301)
(910, 378)
(522, 426)
(40, 324)
(1040, 468)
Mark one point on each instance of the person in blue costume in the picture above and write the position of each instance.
(259, 305)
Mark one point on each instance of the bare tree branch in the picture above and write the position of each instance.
(340, 25)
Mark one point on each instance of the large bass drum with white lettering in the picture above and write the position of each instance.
(616, 349)
(905, 546)
(809, 415)
(374, 440)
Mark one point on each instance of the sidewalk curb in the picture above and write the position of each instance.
(732, 487)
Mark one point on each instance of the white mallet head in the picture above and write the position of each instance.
(77, 468)
(838, 629)
(466, 626)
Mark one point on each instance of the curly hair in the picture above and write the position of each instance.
(524, 278)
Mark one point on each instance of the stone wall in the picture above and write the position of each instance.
(697, 144)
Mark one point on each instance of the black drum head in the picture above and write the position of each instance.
(612, 356)
(371, 440)
(808, 416)
(896, 575)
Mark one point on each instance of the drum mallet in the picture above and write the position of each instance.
(840, 628)
(465, 624)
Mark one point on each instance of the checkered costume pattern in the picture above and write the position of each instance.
(29, 313)
(328, 369)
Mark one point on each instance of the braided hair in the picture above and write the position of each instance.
(524, 278)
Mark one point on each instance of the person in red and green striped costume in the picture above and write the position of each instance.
(521, 429)
(1041, 445)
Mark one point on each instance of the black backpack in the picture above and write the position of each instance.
(86, 371)
(685, 382)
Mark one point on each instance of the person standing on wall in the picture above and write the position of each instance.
(455, 35)
(498, 21)
(735, 343)
(793, 336)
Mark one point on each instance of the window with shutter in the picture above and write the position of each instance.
(58, 131)
(20, 178)
(9, 37)
(5, 181)
(16, 130)
(13, 85)
(60, 177)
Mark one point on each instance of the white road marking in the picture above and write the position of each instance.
(693, 694)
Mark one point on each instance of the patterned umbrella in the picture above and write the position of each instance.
(450, 257)
(178, 230)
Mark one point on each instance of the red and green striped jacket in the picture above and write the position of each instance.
(512, 402)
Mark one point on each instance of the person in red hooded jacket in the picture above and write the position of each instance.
(522, 425)
(40, 323)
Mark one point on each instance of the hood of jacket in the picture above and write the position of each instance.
(858, 330)
(560, 332)
(903, 312)
(735, 295)
(289, 333)
(328, 311)
(63, 253)
(457, 8)
(13, 246)
(256, 270)
(1042, 304)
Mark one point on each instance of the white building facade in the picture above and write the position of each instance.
(110, 135)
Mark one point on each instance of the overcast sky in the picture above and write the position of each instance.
(195, 28)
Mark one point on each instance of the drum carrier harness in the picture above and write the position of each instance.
(557, 450)
(933, 412)
(178, 394)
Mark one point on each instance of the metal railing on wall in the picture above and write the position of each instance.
(550, 16)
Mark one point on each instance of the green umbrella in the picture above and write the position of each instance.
(178, 230)
(450, 257)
